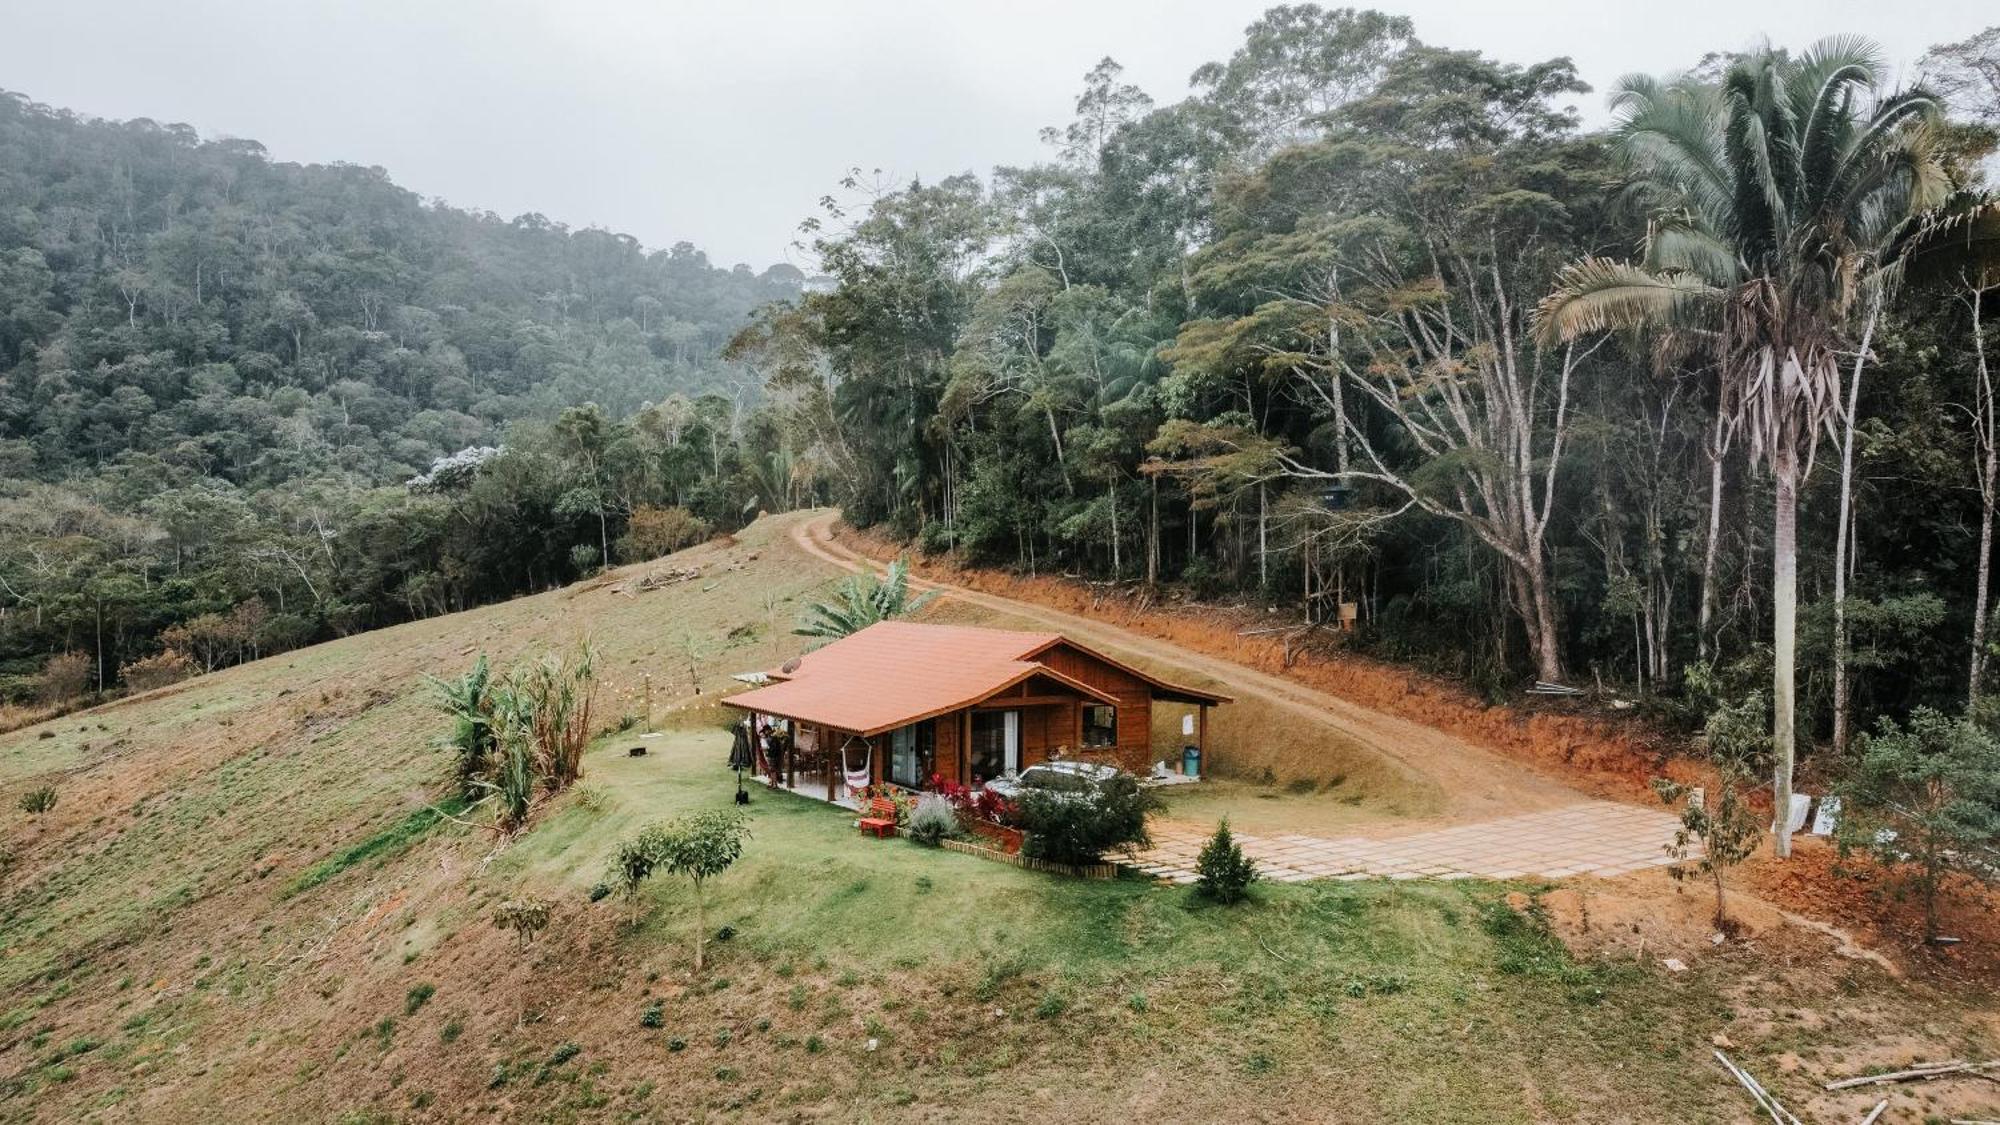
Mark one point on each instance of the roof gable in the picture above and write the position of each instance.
(894, 673)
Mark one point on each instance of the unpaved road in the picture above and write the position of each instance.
(1478, 783)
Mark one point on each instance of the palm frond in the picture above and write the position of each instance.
(1597, 294)
(1677, 246)
(862, 601)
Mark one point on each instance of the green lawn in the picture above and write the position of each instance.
(1456, 1001)
(226, 916)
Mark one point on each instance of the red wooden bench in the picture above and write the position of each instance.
(880, 818)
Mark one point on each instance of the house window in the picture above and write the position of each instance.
(912, 750)
(996, 744)
(1100, 726)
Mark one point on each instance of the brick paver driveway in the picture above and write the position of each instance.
(1588, 838)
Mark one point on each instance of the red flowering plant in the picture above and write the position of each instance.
(974, 803)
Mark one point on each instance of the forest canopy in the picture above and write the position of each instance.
(1689, 406)
(217, 372)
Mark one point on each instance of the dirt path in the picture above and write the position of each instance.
(1479, 784)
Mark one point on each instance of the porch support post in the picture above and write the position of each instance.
(965, 747)
(826, 760)
(1201, 737)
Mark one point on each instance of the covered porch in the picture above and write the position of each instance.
(915, 706)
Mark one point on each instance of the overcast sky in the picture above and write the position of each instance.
(722, 123)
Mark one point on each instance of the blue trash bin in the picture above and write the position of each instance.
(1191, 761)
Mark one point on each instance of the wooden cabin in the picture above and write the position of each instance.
(902, 703)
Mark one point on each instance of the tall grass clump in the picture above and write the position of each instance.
(519, 737)
(469, 701)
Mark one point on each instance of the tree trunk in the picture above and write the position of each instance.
(1721, 914)
(1339, 396)
(1716, 455)
(1784, 640)
(1843, 542)
(700, 925)
(1062, 462)
(1548, 648)
(1153, 533)
(1984, 432)
(1985, 570)
(1117, 567)
(1263, 554)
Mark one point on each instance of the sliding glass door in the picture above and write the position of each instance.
(912, 750)
(996, 744)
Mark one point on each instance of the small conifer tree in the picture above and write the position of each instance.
(1223, 872)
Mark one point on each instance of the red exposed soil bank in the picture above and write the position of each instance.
(1601, 756)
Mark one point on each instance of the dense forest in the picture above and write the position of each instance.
(1362, 325)
(1368, 321)
(245, 404)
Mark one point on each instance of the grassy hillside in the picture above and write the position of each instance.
(239, 908)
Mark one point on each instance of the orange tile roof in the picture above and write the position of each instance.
(898, 672)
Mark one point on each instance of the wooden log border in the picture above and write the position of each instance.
(1027, 863)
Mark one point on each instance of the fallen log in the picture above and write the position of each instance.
(1764, 1099)
(1916, 1074)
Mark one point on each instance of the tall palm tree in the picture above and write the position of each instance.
(1777, 199)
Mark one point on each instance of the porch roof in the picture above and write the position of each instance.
(895, 673)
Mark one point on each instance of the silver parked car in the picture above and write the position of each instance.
(1078, 780)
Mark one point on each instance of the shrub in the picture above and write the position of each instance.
(469, 701)
(35, 802)
(932, 820)
(526, 916)
(654, 1016)
(417, 997)
(559, 696)
(148, 672)
(66, 676)
(1925, 798)
(1066, 829)
(513, 777)
(516, 732)
(1722, 830)
(634, 863)
(1222, 872)
(971, 803)
(936, 538)
(651, 532)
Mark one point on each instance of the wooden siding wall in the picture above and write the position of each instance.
(1135, 705)
(948, 761)
(1046, 727)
